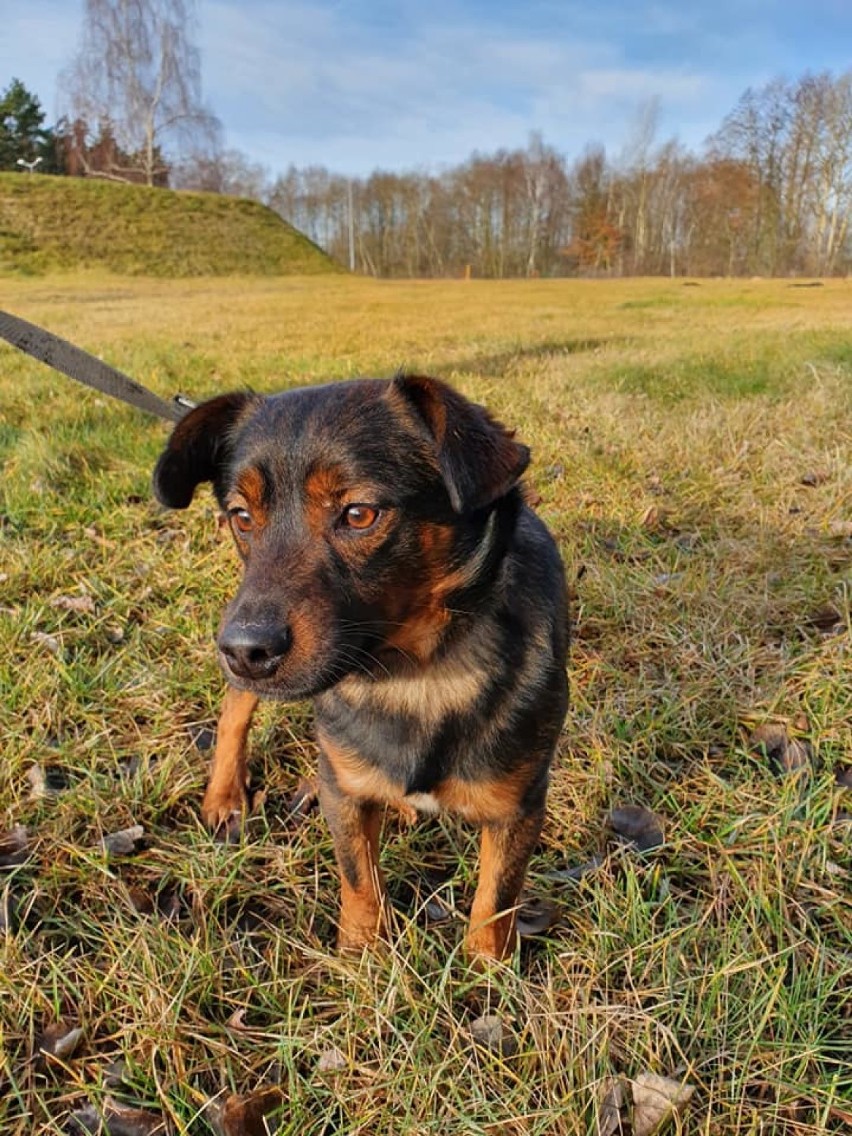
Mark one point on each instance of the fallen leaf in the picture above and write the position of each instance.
(489, 1032)
(203, 737)
(38, 782)
(123, 843)
(114, 1119)
(655, 1102)
(826, 619)
(578, 871)
(303, 799)
(79, 604)
(665, 578)
(535, 916)
(436, 911)
(612, 1098)
(688, 542)
(331, 1060)
(50, 642)
(140, 900)
(244, 1115)
(636, 825)
(14, 847)
(59, 1041)
(115, 1075)
(813, 478)
(787, 755)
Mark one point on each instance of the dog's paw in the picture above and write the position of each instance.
(491, 942)
(357, 934)
(225, 813)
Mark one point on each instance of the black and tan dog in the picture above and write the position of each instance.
(394, 575)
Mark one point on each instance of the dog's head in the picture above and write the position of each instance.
(358, 509)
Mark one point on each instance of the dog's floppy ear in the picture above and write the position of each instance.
(479, 459)
(197, 448)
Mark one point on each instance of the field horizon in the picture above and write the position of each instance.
(691, 454)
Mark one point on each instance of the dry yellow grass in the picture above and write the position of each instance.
(692, 451)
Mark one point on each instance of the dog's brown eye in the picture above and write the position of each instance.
(359, 516)
(241, 521)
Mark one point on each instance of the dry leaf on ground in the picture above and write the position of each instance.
(436, 911)
(50, 642)
(578, 871)
(114, 1119)
(535, 916)
(38, 783)
(303, 799)
(79, 604)
(612, 1099)
(785, 754)
(655, 1102)
(14, 847)
(826, 619)
(124, 842)
(59, 1041)
(636, 825)
(332, 1060)
(203, 737)
(489, 1032)
(245, 1115)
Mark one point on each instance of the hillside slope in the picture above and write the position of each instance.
(51, 223)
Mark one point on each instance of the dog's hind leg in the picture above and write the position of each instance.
(225, 799)
(505, 853)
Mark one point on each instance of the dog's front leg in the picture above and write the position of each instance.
(505, 853)
(226, 799)
(355, 828)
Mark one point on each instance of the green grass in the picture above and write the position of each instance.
(691, 449)
(49, 223)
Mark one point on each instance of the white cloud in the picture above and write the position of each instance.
(303, 84)
(356, 84)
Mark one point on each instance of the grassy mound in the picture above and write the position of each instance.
(49, 223)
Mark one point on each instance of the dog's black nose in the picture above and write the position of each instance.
(254, 650)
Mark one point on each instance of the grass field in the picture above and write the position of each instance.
(692, 455)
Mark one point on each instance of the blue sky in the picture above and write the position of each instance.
(397, 84)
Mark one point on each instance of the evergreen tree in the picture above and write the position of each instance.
(22, 132)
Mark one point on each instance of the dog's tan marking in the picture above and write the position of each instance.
(357, 777)
(491, 932)
(225, 799)
(251, 486)
(362, 907)
(430, 694)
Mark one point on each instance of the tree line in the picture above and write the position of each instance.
(770, 193)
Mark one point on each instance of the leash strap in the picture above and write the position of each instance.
(87, 369)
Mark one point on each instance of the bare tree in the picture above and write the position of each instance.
(228, 172)
(138, 71)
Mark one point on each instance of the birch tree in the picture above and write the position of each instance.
(138, 71)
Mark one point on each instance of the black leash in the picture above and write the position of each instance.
(85, 368)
